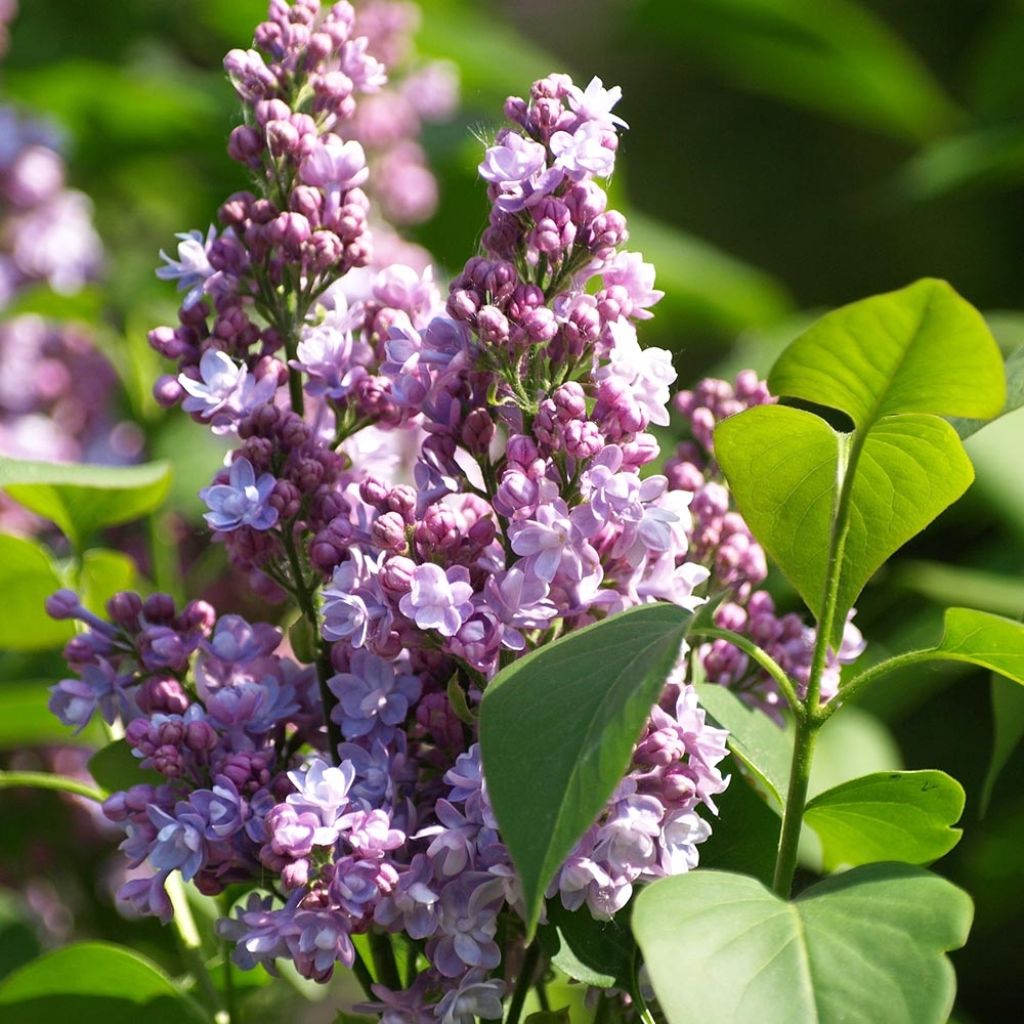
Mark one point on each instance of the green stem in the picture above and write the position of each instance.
(869, 675)
(363, 975)
(324, 667)
(763, 658)
(44, 780)
(189, 940)
(808, 724)
(796, 800)
(523, 983)
(384, 960)
(230, 996)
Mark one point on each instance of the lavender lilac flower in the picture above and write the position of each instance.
(502, 506)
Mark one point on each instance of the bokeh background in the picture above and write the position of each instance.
(784, 156)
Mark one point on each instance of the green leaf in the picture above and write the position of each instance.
(598, 953)
(19, 942)
(1008, 724)
(859, 948)
(81, 499)
(28, 577)
(105, 573)
(115, 767)
(745, 834)
(986, 640)
(904, 816)
(893, 363)
(557, 729)
(94, 983)
(920, 349)
(754, 739)
(560, 1016)
(832, 56)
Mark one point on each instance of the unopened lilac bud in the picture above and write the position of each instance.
(291, 230)
(168, 391)
(402, 499)
(516, 110)
(234, 211)
(64, 604)
(200, 737)
(282, 138)
(521, 449)
(373, 491)
(162, 694)
(492, 325)
(272, 110)
(198, 615)
(124, 608)
(570, 401)
(478, 431)
(463, 305)
(388, 532)
(540, 325)
(158, 607)
(396, 575)
(327, 251)
(245, 144)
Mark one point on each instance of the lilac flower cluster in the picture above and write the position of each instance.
(721, 541)
(437, 486)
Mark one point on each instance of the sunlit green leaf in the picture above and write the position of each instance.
(103, 574)
(904, 816)
(94, 983)
(861, 947)
(28, 577)
(80, 498)
(983, 639)
(893, 363)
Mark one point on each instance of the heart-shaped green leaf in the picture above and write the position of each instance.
(904, 816)
(81, 499)
(94, 983)
(920, 349)
(557, 730)
(861, 947)
(826, 504)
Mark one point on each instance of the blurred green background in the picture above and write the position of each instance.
(783, 156)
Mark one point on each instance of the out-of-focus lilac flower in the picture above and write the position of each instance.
(413, 906)
(334, 165)
(261, 933)
(371, 693)
(75, 701)
(147, 897)
(192, 267)
(242, 501)
(469, 921)
(475, 997)
(438, 599)
(323, 940)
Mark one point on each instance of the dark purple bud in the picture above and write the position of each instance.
(64, 604)
(124, 608)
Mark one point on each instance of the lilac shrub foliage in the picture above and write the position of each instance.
(437, 484)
